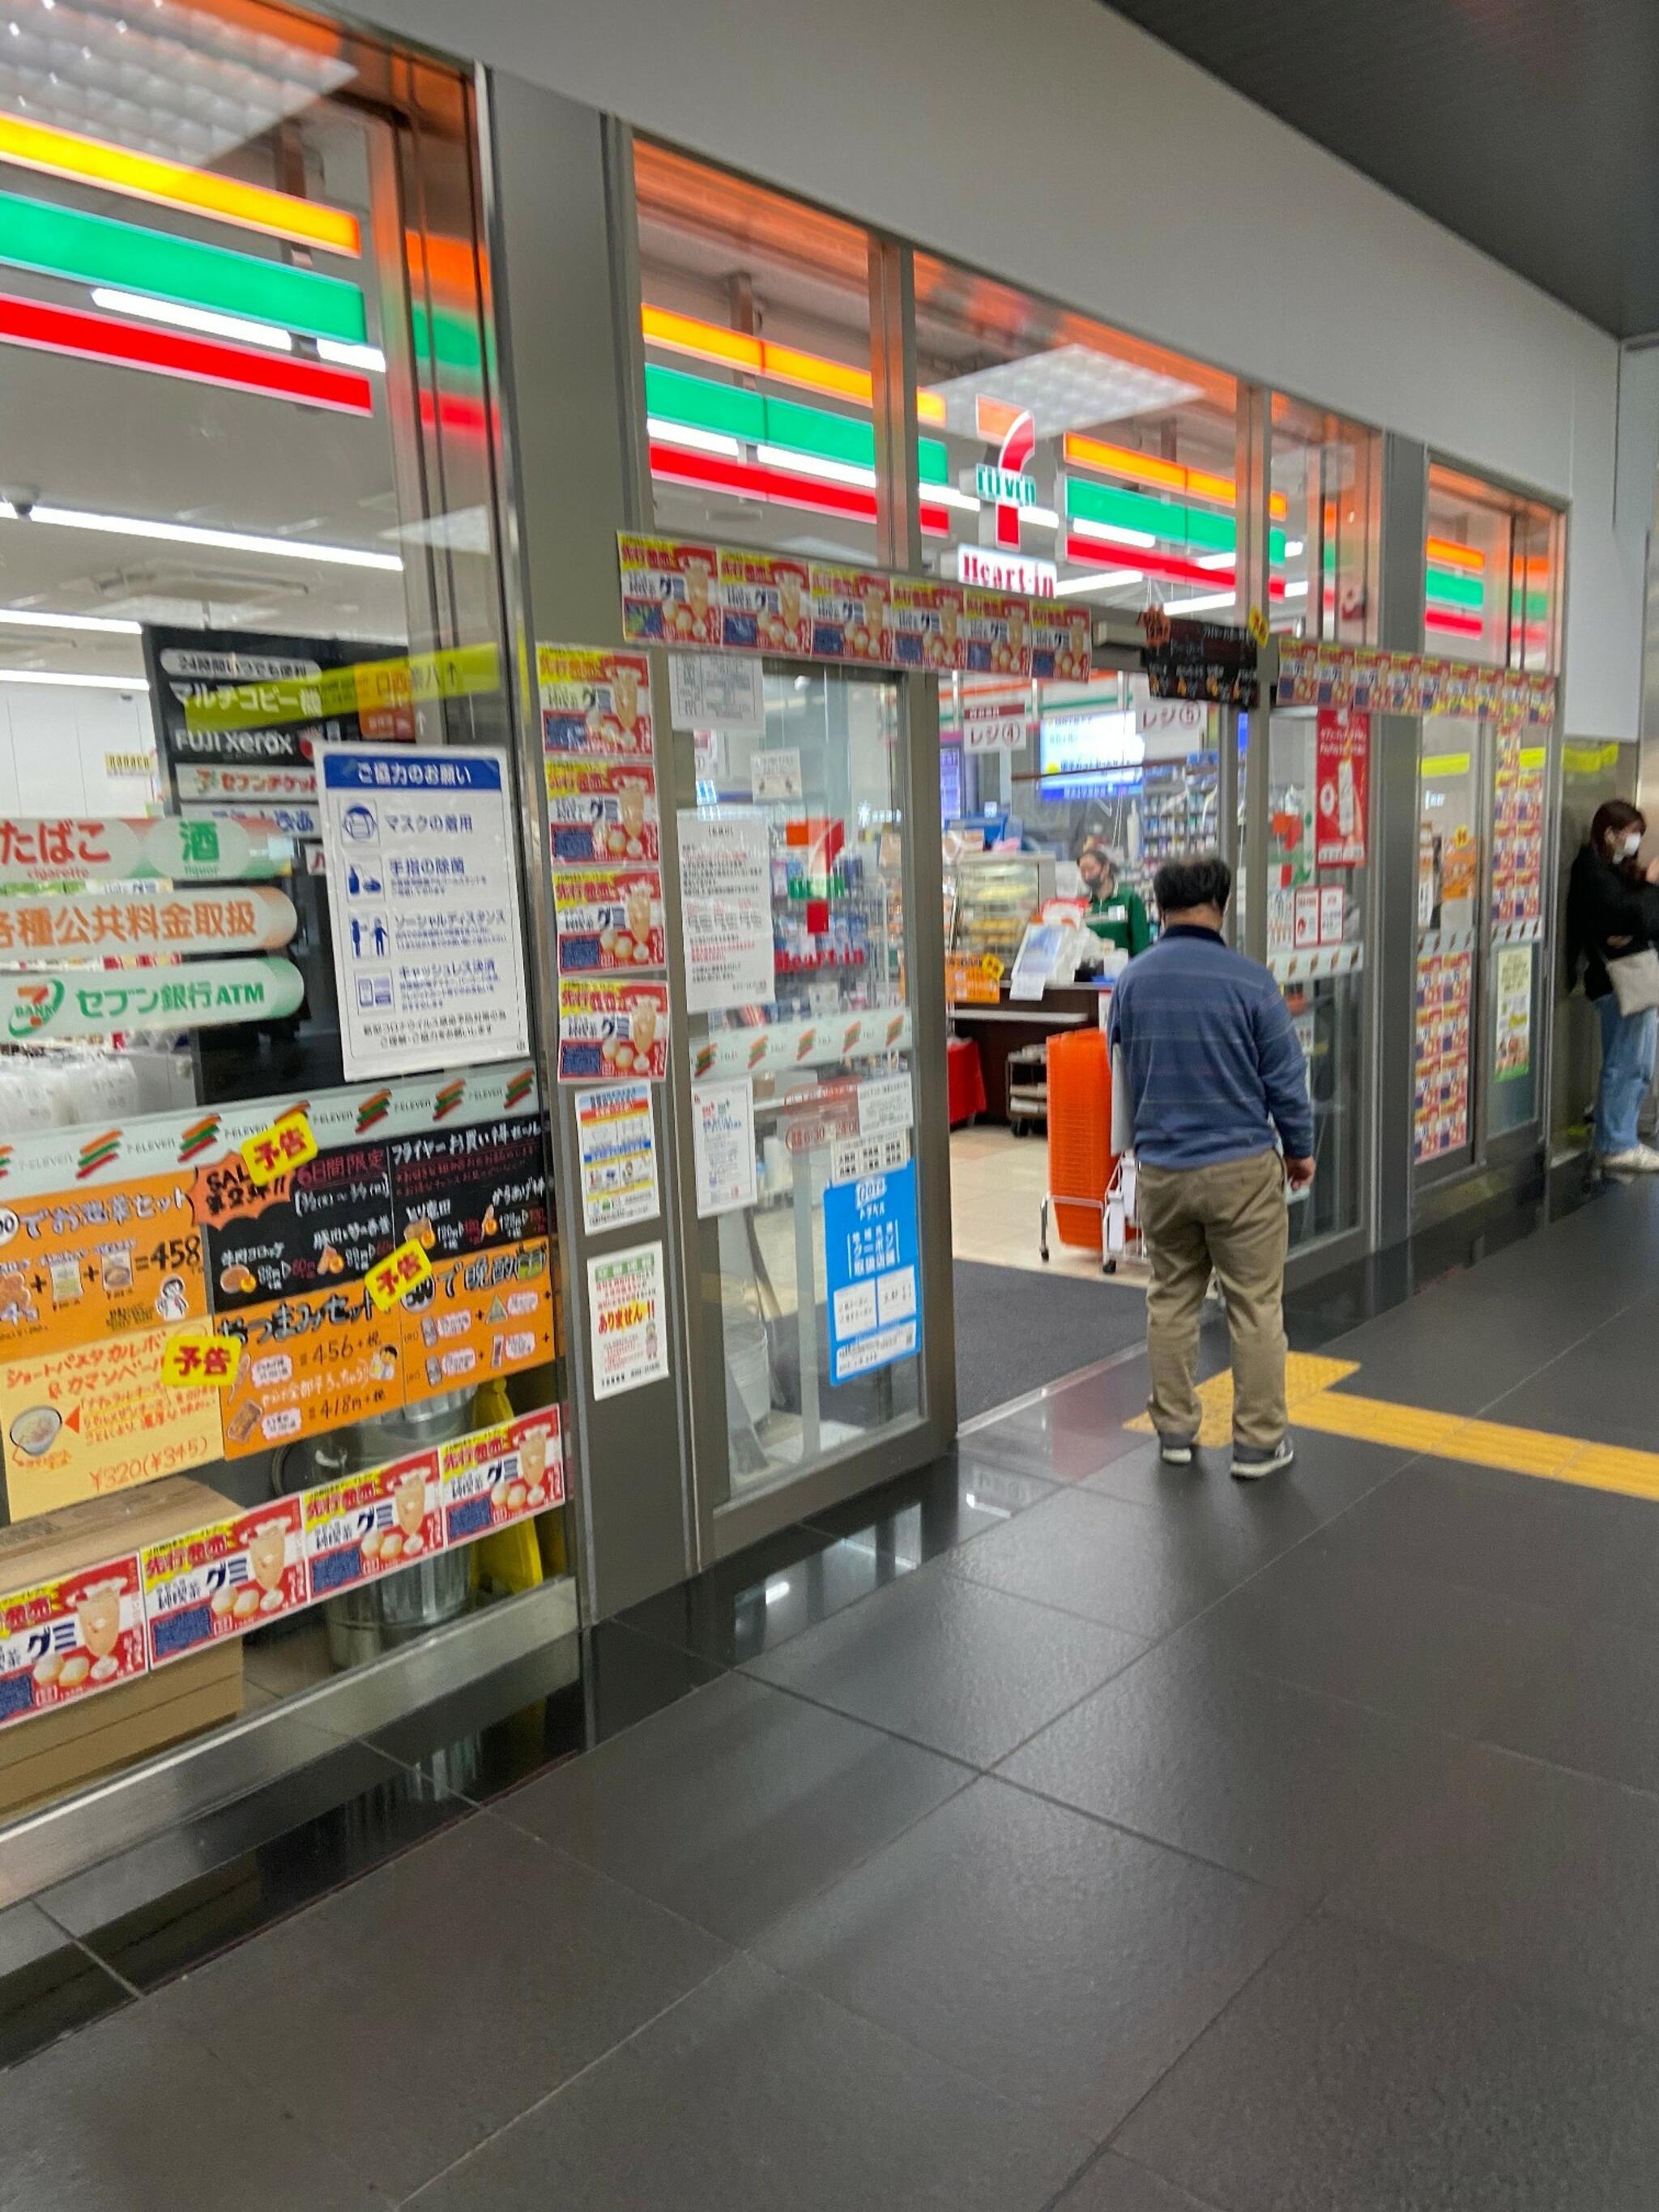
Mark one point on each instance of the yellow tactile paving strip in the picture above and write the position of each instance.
(1315, 1403)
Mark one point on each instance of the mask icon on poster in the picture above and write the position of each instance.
(359, 824)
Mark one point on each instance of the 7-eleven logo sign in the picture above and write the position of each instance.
(1005, 483)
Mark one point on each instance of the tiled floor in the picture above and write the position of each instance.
(1050, 1831)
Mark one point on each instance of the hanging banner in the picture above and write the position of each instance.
(725, 906)
(1342, 787)
(628, 1320)
(207, 994)
(596, 703)
(601, 810)
(692, 594)
(199, 850)
(612, 1028)
(872, 1274)
(616, 1152)
(58, 925)
(766, 604)
(423, 891)
(609, 919)
(367, 691)
(1311, 674)
(668, 592)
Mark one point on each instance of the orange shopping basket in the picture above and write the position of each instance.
(1081, 1164)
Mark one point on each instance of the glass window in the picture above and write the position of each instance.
(757, 387)
(819, 1309)
(246, 511)
(1325, 484)
(1491, 575)
(1451, 827)
(1057, 455)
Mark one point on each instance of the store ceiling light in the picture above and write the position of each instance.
(1067, 385)
(190, 533)
(235, 328)
(121, 344)
(83, 160)
(70, 676)
(95, 249)
(40, 618)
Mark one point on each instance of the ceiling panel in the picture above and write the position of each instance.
(1529, 127)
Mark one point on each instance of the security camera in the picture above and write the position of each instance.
(20, 499)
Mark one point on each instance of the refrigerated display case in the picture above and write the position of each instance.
(997, 895)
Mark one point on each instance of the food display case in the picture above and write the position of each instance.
(997, 894)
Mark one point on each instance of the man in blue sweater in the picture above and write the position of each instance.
(1213, 1070)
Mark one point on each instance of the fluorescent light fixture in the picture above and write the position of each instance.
(351, 356)
(1076, 587)
(695, 441)
(1068, 385)
(80, 682)
(234, 327)
(816, 464)
(37, 618)
(1114, 534)
(225, 541)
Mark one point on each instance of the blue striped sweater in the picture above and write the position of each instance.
(1210, 1055)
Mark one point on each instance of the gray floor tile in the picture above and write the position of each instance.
(736, 1804)
(1330, 1474)
(968, 1671)
(1358, 2074)
(1274, 1781)
(133, 2116)
(442, 1995)
(1057, 1960)
(1145, 1568)
(1577, 1553)
(1114, 2185)
(1547, 1878)
(755, 2094)
(1607, 1387)
(1594, 1706)
(1425, 1652)
(1462, 1343)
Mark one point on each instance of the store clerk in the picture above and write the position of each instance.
(1115, 912)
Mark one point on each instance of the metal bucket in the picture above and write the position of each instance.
(377, 1616)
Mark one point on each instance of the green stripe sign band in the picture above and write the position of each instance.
(697, 402)
(1161, 518)
(95, 249)
(201, 994)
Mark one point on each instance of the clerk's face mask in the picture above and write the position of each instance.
(1630, 845)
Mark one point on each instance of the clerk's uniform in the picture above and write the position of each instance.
(1119, 919)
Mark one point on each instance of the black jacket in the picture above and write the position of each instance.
(1605, 902)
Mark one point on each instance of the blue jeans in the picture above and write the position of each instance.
(1627, 1049)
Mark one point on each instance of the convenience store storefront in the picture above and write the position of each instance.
(473, 1106)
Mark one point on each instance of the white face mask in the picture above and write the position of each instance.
(1630, 846)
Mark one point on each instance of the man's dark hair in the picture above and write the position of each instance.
(1203, 879)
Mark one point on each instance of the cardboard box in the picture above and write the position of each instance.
(47, 1752)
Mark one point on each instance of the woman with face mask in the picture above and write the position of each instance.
(1612, 910)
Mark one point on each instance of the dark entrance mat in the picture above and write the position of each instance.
(1017, 1328)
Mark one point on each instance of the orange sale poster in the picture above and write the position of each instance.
(312, 1362)
(96, 1417)
(81, 1266)
(481, 1314)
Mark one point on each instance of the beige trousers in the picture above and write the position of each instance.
(1230, 1218)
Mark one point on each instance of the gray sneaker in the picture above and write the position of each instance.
(1175, 1451)
(1640, 1159)
(1251, 1462)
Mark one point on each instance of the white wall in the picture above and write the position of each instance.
(1059, 147)
(67, 752)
